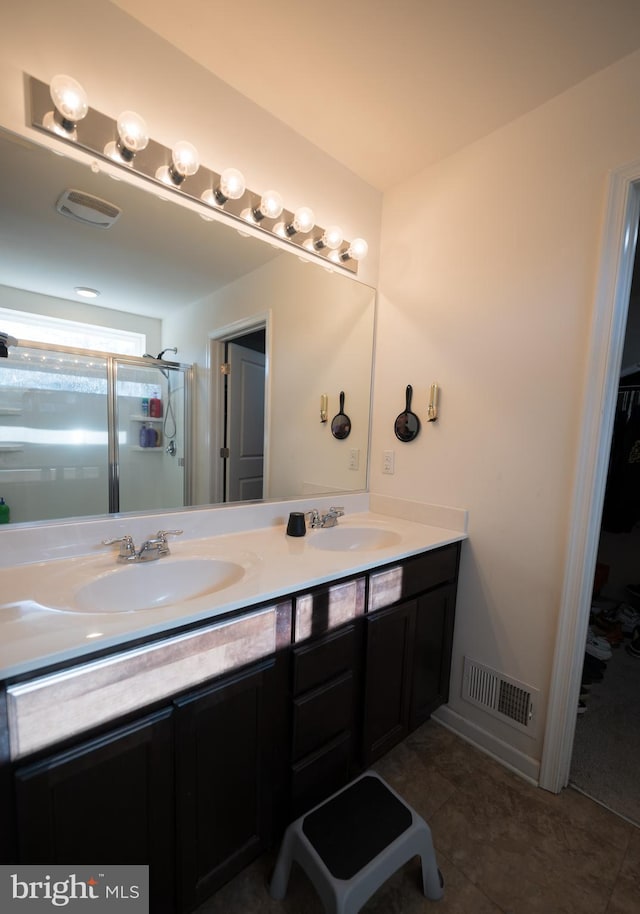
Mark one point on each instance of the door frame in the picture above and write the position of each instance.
(217, 340)
(607, 336)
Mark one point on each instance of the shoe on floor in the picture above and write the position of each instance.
(605, 617)
(591, 670)
(633, 647)
(598, 647)
(593, 667)
(581, 707)
(628, 617)
(612, 634)
(593, 663)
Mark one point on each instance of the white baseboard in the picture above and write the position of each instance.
(511, 758)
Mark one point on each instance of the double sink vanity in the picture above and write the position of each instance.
(179, 712)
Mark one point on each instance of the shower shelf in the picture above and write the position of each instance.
(155, 450)
(146, 418)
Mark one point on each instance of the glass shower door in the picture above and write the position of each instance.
(53, 434)
(150, 467)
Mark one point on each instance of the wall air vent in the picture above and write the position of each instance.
(83, 207)
(499, 695)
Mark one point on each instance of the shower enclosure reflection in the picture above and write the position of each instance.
(84, 432)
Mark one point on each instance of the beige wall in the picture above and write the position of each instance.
(321, 327)
(487, 286)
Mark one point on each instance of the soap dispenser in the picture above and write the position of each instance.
(4, 512)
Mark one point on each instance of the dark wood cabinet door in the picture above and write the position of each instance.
(432, 653)
(387, 693)
(108, 800)
(223, 767)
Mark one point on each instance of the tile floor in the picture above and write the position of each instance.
(503, 846)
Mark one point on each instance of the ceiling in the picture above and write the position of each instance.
(388, 88)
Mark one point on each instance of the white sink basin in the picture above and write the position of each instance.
(148, 585)
(353, 539)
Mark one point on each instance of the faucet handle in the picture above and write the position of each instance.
(313, 516)
(337, 512)
(127, 547)
(160, 540)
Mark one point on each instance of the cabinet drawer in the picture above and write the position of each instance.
(321, 715)
(319, 775)
(322, 660)
(324, 609)
(413, 577)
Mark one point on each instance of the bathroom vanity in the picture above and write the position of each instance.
(189, 744)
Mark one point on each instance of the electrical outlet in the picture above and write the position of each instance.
(354, 458)
(388, 463)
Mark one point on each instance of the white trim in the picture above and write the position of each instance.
(603, 373)
(516, 761)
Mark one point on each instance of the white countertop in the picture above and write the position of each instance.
(34, 635)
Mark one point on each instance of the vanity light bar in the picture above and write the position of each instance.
(125, 143)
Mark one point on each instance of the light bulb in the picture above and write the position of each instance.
(185, 159)
(303, 221)
(332, 238)
(231, 187)
(357, 250)
(70, 102)
(232, 184)
(132, 132)
(69, 98)
(133, 137)
(185, 162)
(270, 206)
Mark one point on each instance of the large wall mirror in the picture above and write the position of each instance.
(206, 289)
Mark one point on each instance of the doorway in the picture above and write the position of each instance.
(243, 463)
(239, 361)
(601, 388)
(607, 737)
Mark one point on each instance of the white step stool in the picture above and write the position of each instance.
(354, 841)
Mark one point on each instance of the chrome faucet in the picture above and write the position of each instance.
(330, 519)
(151, 549)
